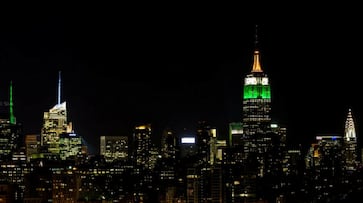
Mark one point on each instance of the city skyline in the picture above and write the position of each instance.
(180, 72)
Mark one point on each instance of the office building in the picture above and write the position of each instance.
(55, 123)
(114, 147)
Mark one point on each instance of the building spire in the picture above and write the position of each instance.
(349, 134)
(12, 117)
(256, 68)
(256, 37)
(59, 87)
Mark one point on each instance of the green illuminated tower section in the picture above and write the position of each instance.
(12, 117)
(256, 99)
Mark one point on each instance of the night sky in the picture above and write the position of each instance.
(177, 66)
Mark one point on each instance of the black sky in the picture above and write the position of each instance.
(173, 67)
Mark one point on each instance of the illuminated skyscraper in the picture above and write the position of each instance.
(256, 99)
(142, 145)
(70, 146)
(10, 130)
(11, 110)
(114, 147)
(169, 143)
(54, 124)
(350, 143)
(256, 151)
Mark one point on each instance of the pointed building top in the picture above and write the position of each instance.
(256, 68)
(350, 134)
(256, 37)
(12, 117)
(59, 87)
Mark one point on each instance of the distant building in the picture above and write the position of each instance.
(114, 147)
(142, 144)
(169, 144)
(255, 144)
(188, 145)
(205, 133)
(10, 138)
(325, 156)
(350, 143)
(54, 124)
(32, 146)
(70, 146)
(235, 134)
(256, 99)
(10, 130)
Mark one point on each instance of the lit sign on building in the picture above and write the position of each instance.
(187, 140)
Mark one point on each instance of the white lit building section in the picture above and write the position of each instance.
(350, 143)
(188, 140)
(349, 134)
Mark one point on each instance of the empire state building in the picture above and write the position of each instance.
(256, 99)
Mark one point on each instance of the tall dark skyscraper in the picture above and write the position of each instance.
(256, 99)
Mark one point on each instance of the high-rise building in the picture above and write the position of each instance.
(114, 147)
(142, 161)
(255, 152)
(142, 144)
(188, 146)
(327, 153)
(169, 144)
(235, 134)
(350, 143)
(10, 130)
(32, 146)
(205, 133)
(256, 99)
(55, 123)
(70, 146)
(168, 160)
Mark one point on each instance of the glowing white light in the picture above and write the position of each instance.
(251, 81)
(264, 81)
(237, 131)
(188, 140)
